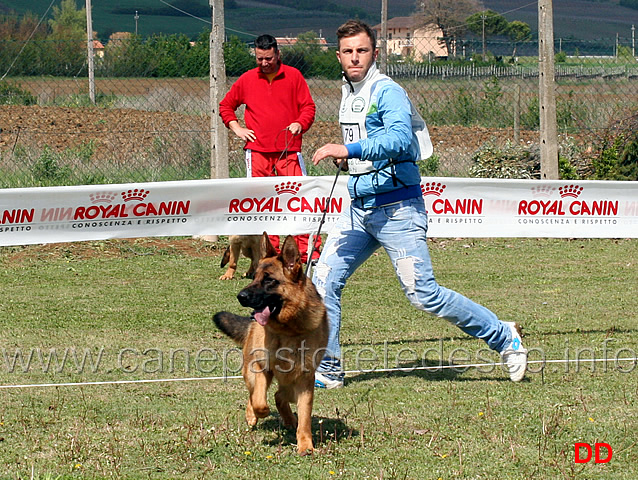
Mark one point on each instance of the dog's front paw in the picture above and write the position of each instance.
(227, 276)
(305, 449)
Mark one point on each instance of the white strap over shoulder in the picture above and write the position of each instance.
(422, 134)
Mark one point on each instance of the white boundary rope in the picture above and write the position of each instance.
(362, 371)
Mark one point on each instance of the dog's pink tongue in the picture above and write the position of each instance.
(262, 317)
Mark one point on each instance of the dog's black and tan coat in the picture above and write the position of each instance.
(285, 338)
(249, 246)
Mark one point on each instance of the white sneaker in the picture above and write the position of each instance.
(328, 380)
(514, 357)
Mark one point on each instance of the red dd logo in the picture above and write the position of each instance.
(579, 447)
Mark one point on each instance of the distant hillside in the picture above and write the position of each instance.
(579, 19)
(586, 20)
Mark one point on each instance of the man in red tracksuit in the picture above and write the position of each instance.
(279, 109)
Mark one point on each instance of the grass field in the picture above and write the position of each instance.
(140, 310)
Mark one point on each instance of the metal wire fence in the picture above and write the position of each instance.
(155, 128)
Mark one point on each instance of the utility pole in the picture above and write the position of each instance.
(136, 17)
(483, 19)
(547, 92)
(219, 134)
(633, 41)
(217, 82)
(383, 64)
(90, 53)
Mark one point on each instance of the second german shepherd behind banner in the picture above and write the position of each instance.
(246, 244)
(285, 338)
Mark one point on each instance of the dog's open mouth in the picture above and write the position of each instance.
(262, 316)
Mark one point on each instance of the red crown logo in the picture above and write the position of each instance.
(135, 194)
(570, 191)
(288, 187)
(102, 197)
(543, 191)
(432, 188)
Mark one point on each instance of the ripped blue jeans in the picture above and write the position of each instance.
(400, 228)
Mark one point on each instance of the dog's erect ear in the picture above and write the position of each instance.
(290, 255)
(267, 250)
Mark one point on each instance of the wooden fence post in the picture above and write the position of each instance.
(547, 92)
(219, 134)
(517, 113)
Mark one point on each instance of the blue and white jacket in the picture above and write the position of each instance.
(377, 121)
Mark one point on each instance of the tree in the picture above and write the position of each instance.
(238, 57)
(486, 24)
(67, 18)
(68, 36)
(448, 16)
(518, 32)
(126, 55)
(489, 21)
(198, 58)
(169, 53)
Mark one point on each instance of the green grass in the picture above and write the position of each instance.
(146, 306)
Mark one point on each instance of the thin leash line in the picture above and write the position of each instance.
(323, 219)
(325, 210)
(350, 372)
(287, 143)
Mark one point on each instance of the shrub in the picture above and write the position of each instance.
(11, 94)
(430, 166)
(507, 161)
(616, 156)
(238, 57)
(467, 109)
(516, 161)
(530, 119)
(47, 169)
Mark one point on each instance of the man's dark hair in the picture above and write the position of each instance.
(266, 42)
(355, 27)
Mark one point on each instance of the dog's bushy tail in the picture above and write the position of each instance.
(225, 257)
(235, 326)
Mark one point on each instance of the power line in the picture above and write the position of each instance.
(28, 39)
(203, 20)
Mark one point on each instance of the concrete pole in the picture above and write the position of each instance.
(547, 92)
(517, 113)
(219, 134)
(90, 53)
(383, 50)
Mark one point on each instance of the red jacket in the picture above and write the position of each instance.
(271, 107)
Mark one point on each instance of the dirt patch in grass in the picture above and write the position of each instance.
(117, 248)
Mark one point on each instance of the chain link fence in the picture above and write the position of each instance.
(150, 120)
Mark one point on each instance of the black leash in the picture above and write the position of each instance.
(284, 152)
(323, 219)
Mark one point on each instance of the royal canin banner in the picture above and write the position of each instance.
(457, 207)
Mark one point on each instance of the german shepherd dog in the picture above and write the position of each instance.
(249, 245)
(285, 338)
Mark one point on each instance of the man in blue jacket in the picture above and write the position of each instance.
(383, 138)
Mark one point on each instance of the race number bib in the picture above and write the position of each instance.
(351, 132)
